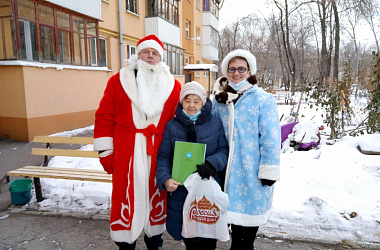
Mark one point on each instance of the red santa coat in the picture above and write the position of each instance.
(137, 204)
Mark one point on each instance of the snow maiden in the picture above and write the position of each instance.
(252, 126)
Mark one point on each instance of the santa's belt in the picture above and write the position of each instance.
(148, 132)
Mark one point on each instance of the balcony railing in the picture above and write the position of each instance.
(166, 9)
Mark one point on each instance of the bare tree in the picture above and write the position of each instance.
(371, 11)
(285, 33)
(337, 41)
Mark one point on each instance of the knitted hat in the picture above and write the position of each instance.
(251, 59)
(195, 89)
(153, 42)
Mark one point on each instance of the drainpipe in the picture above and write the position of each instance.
(121, 36)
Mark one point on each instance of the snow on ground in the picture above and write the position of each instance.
(330, 193)
(320, 189)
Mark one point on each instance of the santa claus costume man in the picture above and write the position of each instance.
(129, 124)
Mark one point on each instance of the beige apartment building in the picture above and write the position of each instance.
(57, 55)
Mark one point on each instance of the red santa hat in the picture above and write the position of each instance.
(151, 41)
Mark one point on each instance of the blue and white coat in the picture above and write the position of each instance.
(254, 154)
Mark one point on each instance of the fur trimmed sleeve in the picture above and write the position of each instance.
(104, 117)
(270, 139)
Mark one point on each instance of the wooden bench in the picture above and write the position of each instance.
(43, 171)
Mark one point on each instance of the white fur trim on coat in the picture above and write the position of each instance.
(269, 172)
(103, 143)
(248, 220)
(251, 59)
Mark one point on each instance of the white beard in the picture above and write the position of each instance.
(152, 87)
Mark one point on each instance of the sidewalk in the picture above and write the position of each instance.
(32, 230)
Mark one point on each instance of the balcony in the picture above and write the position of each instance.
(166, 9)
(209, 19)
(90, 8)
(165, 31)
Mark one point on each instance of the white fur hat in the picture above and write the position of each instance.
(251, 59)
(193, 88)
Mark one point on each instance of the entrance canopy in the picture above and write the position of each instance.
(203, 67)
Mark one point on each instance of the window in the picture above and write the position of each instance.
(131, 6)
(179, 66)
(28, 30)
(103, 52)
(92, 43)
(46, 18)
(197, 34)
(47, 43)
(187, 29)
(28, 40)
(173, 57)
(55, 35)
(206, 5)
(64, 37)
(92, 52)
(131, 50)
(187, 60)
(214, 37)
(6, 39)
(197, 4)
(212, 6)
(79, 42)
(64, 46)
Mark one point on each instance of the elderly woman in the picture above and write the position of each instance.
(193, 123)
(249, 114)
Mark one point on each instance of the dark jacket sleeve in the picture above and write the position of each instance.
(220, 157)
(165, 158)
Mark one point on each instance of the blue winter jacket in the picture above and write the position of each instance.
(207, 129)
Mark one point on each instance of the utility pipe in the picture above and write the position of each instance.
(121, 36)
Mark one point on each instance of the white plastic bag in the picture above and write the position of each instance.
(205, 209)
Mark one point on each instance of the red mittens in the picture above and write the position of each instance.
(108, 163)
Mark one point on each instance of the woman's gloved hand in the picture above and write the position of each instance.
(206, 170)
(266, 182)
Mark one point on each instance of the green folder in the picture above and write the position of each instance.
(187, 156)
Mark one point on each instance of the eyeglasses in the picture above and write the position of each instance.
(240, 70)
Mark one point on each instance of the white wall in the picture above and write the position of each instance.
(164, 30)
(209, 19)
(90, 8)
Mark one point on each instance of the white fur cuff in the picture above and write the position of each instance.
(106, 153)
(103, 143)
(269, 172)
